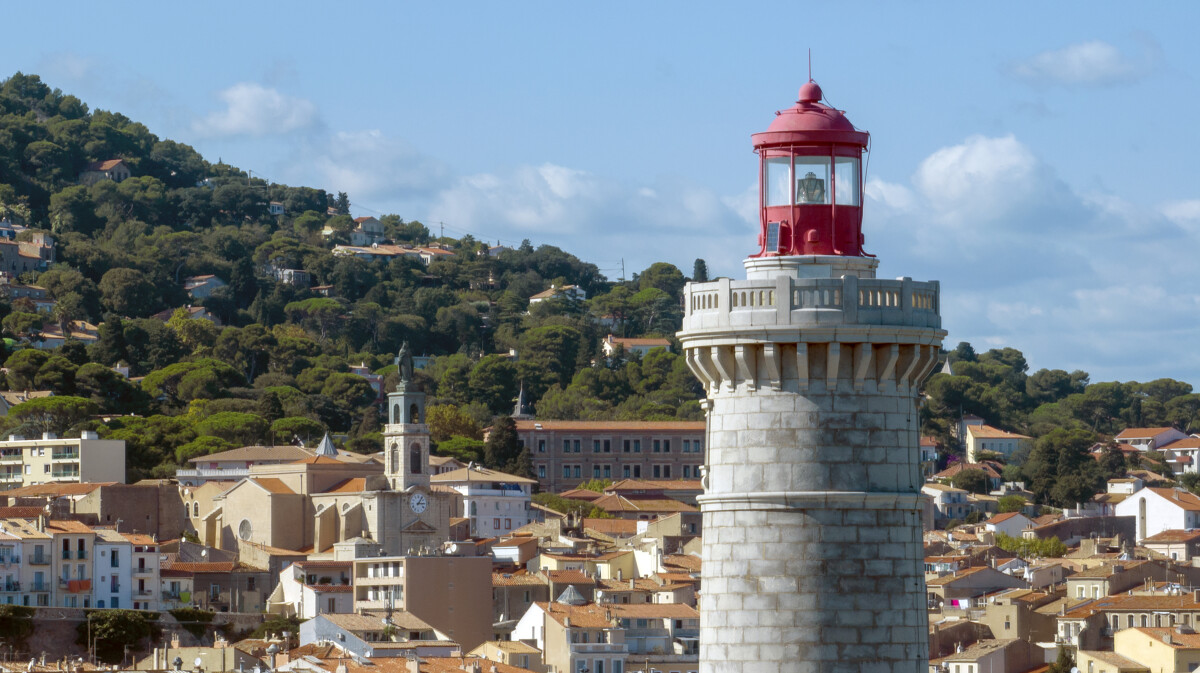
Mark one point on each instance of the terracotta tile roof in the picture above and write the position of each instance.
(622, 503)
(284, 453)
(445, 665)
(272, 485)
(316, 460)
(654, 611)
(1174, 536)
(139, 538)
(1120, 661)
(570, 577)
(989, 432)
(325, 564)
(623, 527)
(67, 526)
(57, 489)
(656, 484)
(1171, 637)
(630, 342)
(1185, 443)
(1001, 518)
(605, 556)
(373, 622)
(20, 512)
(352, 485)
(613, 426)
(676, 578)
(1125, 602)
(521, 579)
(204, 567)
(554, 291)
(15, 397)
(956, 468)
(1106, 569)
(331, 588)
(1140, 433)
(1183, 499)
(583, 494)
(642, 584)
(589, 616)
(106, 165)
(513, 646)
(686, 562)
(953, 577)
(477, 474)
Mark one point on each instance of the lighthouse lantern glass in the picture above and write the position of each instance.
(845, 181)
(777, 178)
(812, 180)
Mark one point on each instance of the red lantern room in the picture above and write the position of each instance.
(810, 181)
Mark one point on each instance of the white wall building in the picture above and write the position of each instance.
(1159, 509)
(496, 503)
(145, 570)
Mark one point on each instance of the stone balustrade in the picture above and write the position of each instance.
(808, 302)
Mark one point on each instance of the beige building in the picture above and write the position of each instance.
(1100, 661)
(1162, 650)
(27, 569)
(568, 453)
(443, 590)
(987, 438)
(513, 653)
(25, 462)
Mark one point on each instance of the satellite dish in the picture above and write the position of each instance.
(204, 553)
(1074, 669)
(197, 662)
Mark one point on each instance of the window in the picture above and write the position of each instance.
(776, 183)
(698, 445)
(687, 446)
(116, 602)
(541, 471)
(637, 446)
(607, 471)
(414, 458)
(46, 469)
(595, 471)
(600, 666)
(625, 448)
(195, 509)
(619, 666)
(541, 446)
(496, 524)
(580, 665)
(578, 443)
(812, 179)
(214, 592)
(578, 471)
(666, 446)
(508, 524)
(666, 471)
(657, 471)
(595, 446)
(657, 446)
(625, 471)
(566, 471)
(637, 471)
(608, 446)
(566, 446)
(115, 560)
(845, 181)
(687, 471)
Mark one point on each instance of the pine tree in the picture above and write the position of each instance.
(700, 271)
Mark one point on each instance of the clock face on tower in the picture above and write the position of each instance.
(418, 502)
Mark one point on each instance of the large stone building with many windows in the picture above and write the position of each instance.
(568, 453)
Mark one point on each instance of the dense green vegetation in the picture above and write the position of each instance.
(1064, 412)
(279, 366)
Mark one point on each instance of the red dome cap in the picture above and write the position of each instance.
(812, 120)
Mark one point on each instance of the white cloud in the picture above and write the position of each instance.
(1088, 281)
(370, 165)
(599, 218)
(1092, 63)
(254, 110)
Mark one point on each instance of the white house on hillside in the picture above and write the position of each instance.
(1158, 509)
(1009, 523)
(1149, 439)
(495, 502)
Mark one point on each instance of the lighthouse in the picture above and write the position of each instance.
(812, 554)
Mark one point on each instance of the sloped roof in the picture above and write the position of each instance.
(520, 579)
(569, 577)
(633, 503)
(990, 432)
(1174, 536)
(272, 485)
(477, 474)
(284, 453)
(1178, 497)
(1139, 433)
(106, 165)
(352, 485)
(57, 489)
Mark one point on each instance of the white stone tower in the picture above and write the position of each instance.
(405, 435)
(812, 537)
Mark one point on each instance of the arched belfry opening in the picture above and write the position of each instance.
(414, 413)
(414, 458)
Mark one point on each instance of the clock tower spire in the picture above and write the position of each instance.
(405, 435)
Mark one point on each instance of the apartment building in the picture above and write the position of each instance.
(145, 570)
(442, 590)
(496, 503)
(74, 545)
(51, 459)
(113, 570)
(568, 453)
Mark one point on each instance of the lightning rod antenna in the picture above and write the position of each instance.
(810, 64)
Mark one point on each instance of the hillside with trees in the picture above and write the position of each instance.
(276, 362)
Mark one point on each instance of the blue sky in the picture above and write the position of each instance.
(1036, 158)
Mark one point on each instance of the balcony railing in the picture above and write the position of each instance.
(170, 595)
(143, 570)
(11, 457)
(144, 592)
(10, 587)
(67, 455)
(65, 474)
(39, 586)
(232, 473)
(81, 554)
(10, 560)
(39, 560)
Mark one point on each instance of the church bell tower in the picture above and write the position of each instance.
(405, 435)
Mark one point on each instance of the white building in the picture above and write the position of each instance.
(1009, 523)
(310, 588)
(987, 438)
(496, 502)
(112, 568)
(145, 570)
(948, 502)
(1160, 509)
(569, 292)
(51, 459)
(202, 287)
(1149, 439)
